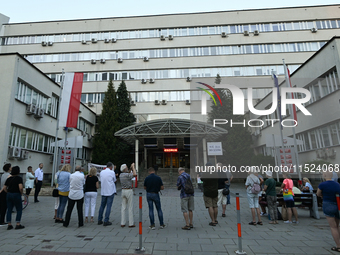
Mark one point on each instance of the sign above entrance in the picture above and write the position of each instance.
(171, 150)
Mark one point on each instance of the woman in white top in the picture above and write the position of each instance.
(29, 181)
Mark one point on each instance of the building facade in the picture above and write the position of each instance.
(29, 109)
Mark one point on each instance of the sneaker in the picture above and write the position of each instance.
(287, 221)
(296, 222)
(19, 226)
(152, 227)
(9, 227)
(263, 214)
(107, 223)
(162, 226)
(100, 222)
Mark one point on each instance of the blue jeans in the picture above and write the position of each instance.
(106, 201)
(154, 198)
(228, 196)
(62, 205)
(14, 199)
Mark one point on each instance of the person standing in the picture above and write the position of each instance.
(253, 198)
(210, 196)
(187, 200)
(269, 188)
(39, 176)
(29, 182)
(63, 181)
(153, 184)
(76, 195)
(230, 178)
(288, 197)
(91, 186)
(14, 188)
(127, 193)
(3, 194)
(108, 190)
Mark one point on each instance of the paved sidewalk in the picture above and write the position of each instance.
(41, 234)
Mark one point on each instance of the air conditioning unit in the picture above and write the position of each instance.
(188, 79)
(132, 102)
(246, 33)
(157, 102)
(39, 113)
(83, 42)
(24, 154)
(143, 81)
(331, 153)
(16, 152)
(102, 61)
(120, 60)
(162, 37)
(171, 37)
(224, 34)
(187, 102)
(94, 40)
(256, 32)
(106, 40)
(43, 43)
(314, 30)
(50, 43)
(164, 102)
(93, 61)
(51, 158)
(145, 59)
(114, 40)
(31, 109)
(152, 80)
(90, 104)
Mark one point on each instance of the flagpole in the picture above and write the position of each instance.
(55, 155)
(278, 110)
(277, 173)
(293, 128)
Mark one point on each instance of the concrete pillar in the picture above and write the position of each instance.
(197, 156)
(205, 160)
(136, 157)
(145, 158)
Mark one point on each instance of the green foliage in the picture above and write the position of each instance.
(237, 144)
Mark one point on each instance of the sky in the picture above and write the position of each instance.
(45, 10)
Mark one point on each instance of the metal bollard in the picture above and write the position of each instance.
(239, 232)
(140, 248)
(338, 202)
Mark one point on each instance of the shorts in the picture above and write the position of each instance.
(253, 200)
(28, 191)
(187, 204)
(222, 199)
(330, 209)
(210, 201)
(290, 203)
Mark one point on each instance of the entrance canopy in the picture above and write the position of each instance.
(170, 128)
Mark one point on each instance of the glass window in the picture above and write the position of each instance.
(22, 138)
(313, 139)
(324, 86)
(83, 98)
(325, 136)
(334, 134)
(90, 98)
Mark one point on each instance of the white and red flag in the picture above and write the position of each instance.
(70, 100)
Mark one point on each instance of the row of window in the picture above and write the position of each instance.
(320, 137)
(84, 125)
(29, 95)
(181, 73)
(31, 140)
(178, 52)
(186, 31)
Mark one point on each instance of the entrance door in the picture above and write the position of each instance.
(167, 160)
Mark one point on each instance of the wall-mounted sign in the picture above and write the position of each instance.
(171, 150)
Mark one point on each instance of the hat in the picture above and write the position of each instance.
(269, 173)
(122, 167)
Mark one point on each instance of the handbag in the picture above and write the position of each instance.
(225, 192)
(55, 193)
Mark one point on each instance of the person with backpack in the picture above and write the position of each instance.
(253, 189)
(184, 184)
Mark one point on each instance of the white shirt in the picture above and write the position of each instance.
(77, 182)
(39, 174)
(29, 180)
(108, 179)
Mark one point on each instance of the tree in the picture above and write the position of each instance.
(237, 144)
(104, 140)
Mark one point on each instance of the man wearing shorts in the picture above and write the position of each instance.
(187, 200)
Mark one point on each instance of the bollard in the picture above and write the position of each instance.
(239, 232)
(338, 202)
(140, 248)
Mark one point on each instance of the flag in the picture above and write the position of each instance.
(70, 100)
(276, 83)
(294, 109)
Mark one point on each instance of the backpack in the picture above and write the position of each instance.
(256, 188)
(188, 187)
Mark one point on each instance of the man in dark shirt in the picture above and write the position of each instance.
(153, 184)
(210, 196)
